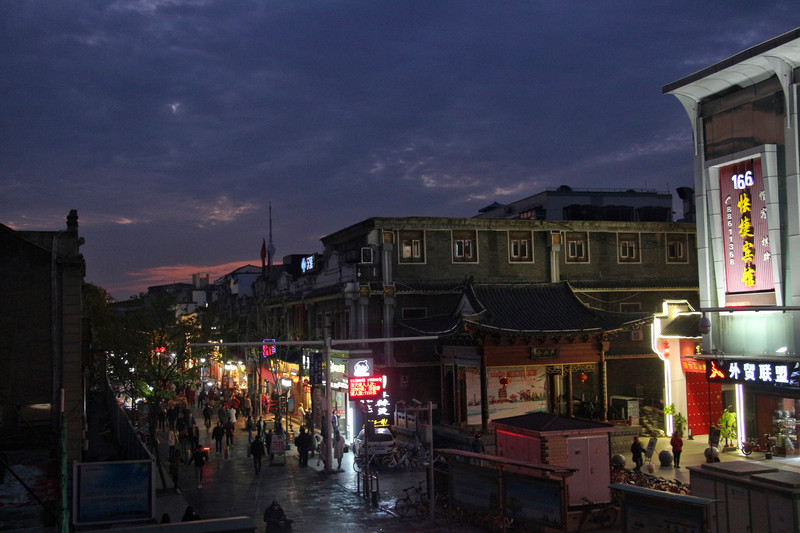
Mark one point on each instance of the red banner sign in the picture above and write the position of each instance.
(745, 234)
(364, 388)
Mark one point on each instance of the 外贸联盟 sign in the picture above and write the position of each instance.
(754, 372)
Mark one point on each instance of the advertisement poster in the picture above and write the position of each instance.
(516, 390)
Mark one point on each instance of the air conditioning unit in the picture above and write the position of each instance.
(366, 256)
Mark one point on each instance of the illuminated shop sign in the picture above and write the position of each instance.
(363, 388)
(758, 372)
(308, 263)
(748, 259)
(360, 367)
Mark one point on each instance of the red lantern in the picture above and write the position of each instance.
(582, 378)
(504, 381)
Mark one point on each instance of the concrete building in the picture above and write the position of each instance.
(43, 357)
(743, 112)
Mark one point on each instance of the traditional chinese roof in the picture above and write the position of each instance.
(548, 308)
(547, 422)
(526, 309)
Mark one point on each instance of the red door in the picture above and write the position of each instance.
(704, 403)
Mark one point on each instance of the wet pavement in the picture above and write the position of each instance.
(317, 500)
(314, 499)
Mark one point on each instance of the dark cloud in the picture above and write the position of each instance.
(171, 125)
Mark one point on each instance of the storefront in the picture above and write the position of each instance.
(767, 398)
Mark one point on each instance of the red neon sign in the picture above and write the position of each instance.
(366, 387)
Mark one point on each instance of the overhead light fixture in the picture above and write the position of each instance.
(782, 349)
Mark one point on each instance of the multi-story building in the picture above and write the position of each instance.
(382, 273)
(743, 113)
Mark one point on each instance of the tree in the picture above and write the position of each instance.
(147, 354)
(727, 425)
(678, 420)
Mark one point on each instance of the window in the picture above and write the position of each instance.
(520, 248)
(412, 246)
(577, 244)
(628, 246)
(464, 250)
(320, 326)
(630, 307)
(677, 248)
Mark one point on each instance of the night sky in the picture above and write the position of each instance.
(171, 125)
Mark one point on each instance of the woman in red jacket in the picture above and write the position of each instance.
(677, 447)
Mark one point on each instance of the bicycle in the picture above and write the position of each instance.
(397, 460)
(415, 498)
(605, 515)
(360, 462)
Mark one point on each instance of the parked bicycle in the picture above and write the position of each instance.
(360, 462)
(415, 498)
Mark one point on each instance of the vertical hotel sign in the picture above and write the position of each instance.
(748, 261)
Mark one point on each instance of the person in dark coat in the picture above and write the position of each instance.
(218, 434)
(304, 442)
(637, 450)
(275, 518)
(257, 451)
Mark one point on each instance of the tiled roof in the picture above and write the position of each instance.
(683, 326)
(539, 309)
(544, 422)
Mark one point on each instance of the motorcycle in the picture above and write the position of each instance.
(753, 445)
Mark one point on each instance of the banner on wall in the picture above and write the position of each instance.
(472, 379)
(745, 233)
(516, 390)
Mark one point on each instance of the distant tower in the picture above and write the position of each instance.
(271, 247)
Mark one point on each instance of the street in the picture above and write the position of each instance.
(313, 499)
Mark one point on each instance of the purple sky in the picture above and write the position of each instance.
(171, 125)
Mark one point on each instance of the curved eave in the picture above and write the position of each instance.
(744, 69)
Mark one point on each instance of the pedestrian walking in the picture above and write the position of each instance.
(199, 460)
(195, 435)
(637, 450)
(338, 448)
(207, 417)
(257, 451)
(677, 447)
(247, 405)
(249, 426)
(172, 440)
(174, 467)
(229, 429)
(218, 434)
